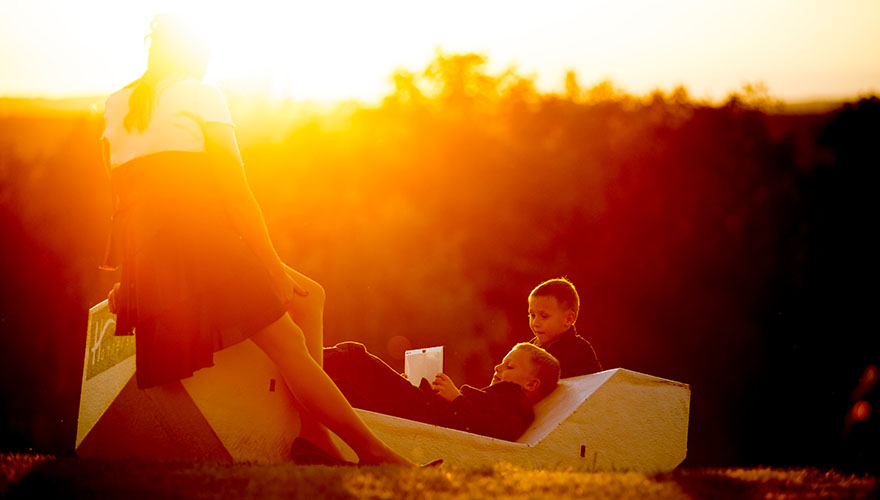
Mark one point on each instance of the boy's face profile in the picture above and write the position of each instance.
(516, 367)
(547, 319)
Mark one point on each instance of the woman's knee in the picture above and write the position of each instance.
(316, 294)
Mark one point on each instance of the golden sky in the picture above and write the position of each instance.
(328, 50)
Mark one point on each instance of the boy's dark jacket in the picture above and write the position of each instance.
(501, 411)
(576, 356)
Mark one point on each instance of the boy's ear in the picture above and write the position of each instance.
(571, 316)
(532, 385)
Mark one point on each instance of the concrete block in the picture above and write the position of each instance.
(239, 409)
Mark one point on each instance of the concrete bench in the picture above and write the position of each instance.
(240, 409)
(614, 420)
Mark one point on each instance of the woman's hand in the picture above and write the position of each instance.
(298, 289)
(112, 298)
(445, 388)
(286, 287)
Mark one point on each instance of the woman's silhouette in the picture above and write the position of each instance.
(199, 272)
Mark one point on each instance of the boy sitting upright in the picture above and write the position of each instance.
(501, 410)
(553, 309)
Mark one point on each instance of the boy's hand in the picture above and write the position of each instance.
(445, 388)
(112, 298)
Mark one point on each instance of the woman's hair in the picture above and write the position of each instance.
(174, 49)
(546, 368)
(561, 289)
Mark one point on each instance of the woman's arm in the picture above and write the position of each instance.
(243, 209)
(113, 294)
(105, 153)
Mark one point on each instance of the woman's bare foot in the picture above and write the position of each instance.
(378, 454)
(320, 436)
(384, 455)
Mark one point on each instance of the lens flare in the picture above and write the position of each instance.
(861, 411)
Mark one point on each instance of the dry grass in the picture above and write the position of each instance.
(30, 476)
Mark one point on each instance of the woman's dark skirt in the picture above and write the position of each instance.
(190, 284)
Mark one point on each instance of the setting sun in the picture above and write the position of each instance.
(342, 50)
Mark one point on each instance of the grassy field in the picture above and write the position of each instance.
(40, 476)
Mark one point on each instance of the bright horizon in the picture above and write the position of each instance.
(810, 49)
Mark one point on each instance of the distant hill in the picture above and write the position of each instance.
(31, 106)
(95, 104)
(814, 106)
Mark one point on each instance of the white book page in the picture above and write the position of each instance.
(423, 363)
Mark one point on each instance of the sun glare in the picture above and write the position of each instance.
(337, 49)
(291, 50)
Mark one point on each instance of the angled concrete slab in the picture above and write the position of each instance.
(610, 421)
(241, 410)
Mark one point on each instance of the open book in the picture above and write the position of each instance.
(423, 363)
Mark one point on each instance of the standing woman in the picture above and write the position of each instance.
(199, 272)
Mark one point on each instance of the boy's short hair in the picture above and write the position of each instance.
(562, 290)
(546, 367)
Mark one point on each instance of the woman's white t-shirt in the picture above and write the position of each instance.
(180, 107)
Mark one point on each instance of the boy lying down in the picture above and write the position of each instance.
(501, 410)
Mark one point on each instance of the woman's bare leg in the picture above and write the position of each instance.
(283, 341)
(307, 313)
